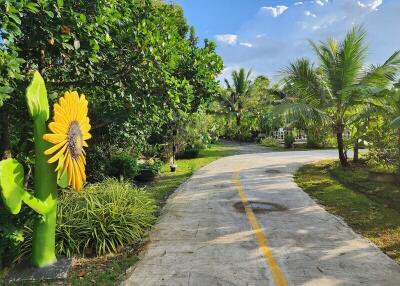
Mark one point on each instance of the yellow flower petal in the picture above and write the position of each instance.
(55, 138)
(87, 136)
(59, 110)
(78, 179)
(55, 148)
(85, 128)
(57, 155)
(70, 171)
(82, 168)
(59, 128)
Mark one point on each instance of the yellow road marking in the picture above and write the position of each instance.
(276, 271)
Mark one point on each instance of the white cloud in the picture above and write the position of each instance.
(319, 3)
(308, 13)
(277, 41)
(229, 39)
(275, 11)
(247, 45)
(373, 5)
(298, 3)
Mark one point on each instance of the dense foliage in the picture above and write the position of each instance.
(143, 71)
(135, 61)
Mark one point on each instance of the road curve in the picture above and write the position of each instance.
(205, 237)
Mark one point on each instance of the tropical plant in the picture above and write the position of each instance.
(103, 218)
(330, 93)
(236, 91)
(289, 139)
(269, 142)
(392, 111)
(123, 165)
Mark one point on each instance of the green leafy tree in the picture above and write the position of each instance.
(330, 93)
(134, 60)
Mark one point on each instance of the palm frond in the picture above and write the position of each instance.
(395, 123)
(302, 76)
(382, 75)
(367, 112)
(301, 112)
(351, 56)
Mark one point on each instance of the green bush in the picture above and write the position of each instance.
(102, 218)
(289, 140)
(383, 150)
(148, 171)
(191, 151)
(154, 166)
(123, 165)
(269, 142)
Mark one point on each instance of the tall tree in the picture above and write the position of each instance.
(133, 59)
(236, 91)
(330, 93)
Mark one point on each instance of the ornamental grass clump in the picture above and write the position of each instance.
(103, 218)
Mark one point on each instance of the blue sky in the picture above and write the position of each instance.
(265, 35)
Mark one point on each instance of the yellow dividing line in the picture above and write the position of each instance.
(276, 271)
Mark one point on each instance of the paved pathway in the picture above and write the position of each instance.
(202, 239)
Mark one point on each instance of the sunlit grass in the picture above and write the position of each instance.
(169, 181)
(371, 209)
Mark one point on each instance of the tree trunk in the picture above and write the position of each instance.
(4, 132)
(238, 119)
(356, 147)
(340, 145)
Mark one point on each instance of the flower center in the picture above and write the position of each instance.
(75, 140)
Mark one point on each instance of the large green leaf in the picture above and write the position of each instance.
(36, 97)
(12, 184)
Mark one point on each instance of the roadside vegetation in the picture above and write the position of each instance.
(155, 102)
(105, 260)
(370, 208)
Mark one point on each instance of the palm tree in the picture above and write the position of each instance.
(236, 91)
(332, 93)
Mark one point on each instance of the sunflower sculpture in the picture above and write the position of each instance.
(70, 130)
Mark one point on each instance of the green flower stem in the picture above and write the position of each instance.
(45, 201)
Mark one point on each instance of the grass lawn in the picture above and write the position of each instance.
(370, 208)
(110, 270)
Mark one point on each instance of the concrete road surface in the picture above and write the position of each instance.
(206, 236)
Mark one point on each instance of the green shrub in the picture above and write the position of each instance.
(102, 218)
(123, 165)
(289, 140)
(383, 149)
(154, 166)
(269, 142)
(148, 171)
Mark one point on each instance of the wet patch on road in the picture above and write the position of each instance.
(260, 207)
(272, 171)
